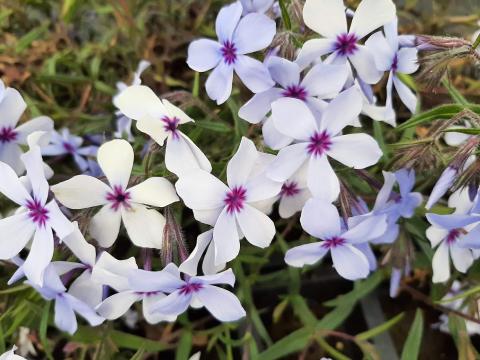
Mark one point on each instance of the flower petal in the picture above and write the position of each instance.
(257, 227)
(462, 258)
(209, 216)
(227, 20)
(226, 238)
(190, 265)
(316, 209)
(274, 138)
(288, 160)
(174, 304)
(139, 102)
(84, 310)
(441, 264)
(362, 60)
(65, 318)
(77, 244)
(370, 228)
(113, 272)
(259, 105)
(73, 192)
(322, 180)
(349, 262)
(326, 17)
(325, 80)
(452, 221)
(11, 186)
(155, 191)
(241, 164)
(118, 304)
(284, 72)
(285, 111)
(40, 123)
(407, 60)
(116, 161)
(36, 174)
(58, 221)
(12, 107)
(10, 154)
(18, 227)
(201, 190)
(381, 50)
(144, 226)
(254, 33)
(222, 304)
(87, 290)
(204, 54)
(370, 15)
(313, 50)
(253, 73)
(355, 150)
(406, 95)
(289, 205)
(219, 83)
(105, 226)
(40, 255)
(307, 254)
(153, 281)
(148, 306)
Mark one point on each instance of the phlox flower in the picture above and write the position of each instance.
(230, 209)
(317, 139)
(456, 138)
(36, 217)
(237, 37)
(10, 355)
(328, 18)
(200, 291)
(124, 123)
(12, 136)
(119, 202)
(321, 220)
(454, 235)
(395, 60)
(66, 305)
(131, 285)
(206, 248)
(66, 144)
(321, 82)
(256, 6)
(160, 120)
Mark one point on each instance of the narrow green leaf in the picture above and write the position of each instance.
(184, 346)
(380, 328)
(463, 295)
(411, 349)
(139, 354)
(285, 17)
(214, 126)
(469, 131)
(454, 93)
(43, 330)
(30, 37)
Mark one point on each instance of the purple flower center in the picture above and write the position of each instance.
(333, 242)
(229, 52)
(189, 288)
(295, 91)
(453, 236)
(69, 148)
(289, 189)
(118, 197)
(7, 134)
(319, 143)
(346, 44)
(37, 212)
(395, 63)
(235, 199)
(171, 125)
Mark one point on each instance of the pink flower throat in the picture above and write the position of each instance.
(189, 288)
(289, 189)
(171, 125)
(235, 199)
(229, 52)
(118, 197)
(37, 212)
(7, 134)
(346, 44)
(453, 235)
(296, 92)
(319, 143)
(333, 242)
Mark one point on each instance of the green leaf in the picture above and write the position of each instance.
(463, 295)
(30, 37)
(454, 93)
(214, 126)
(302, 311)
(69, 9)
(285, 17)
(139, 354)
(458, 329)
(380, 328)
(469, 131)
(184, 346)
(411, 349)
(43, 330)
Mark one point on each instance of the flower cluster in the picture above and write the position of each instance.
(309, 109)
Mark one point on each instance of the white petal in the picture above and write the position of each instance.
(259, 105)
(87, 290)
(112, 272)
(190, 265)
(320, 219)
(84, 310)
(283, 71)
(407, 60)
(355, 150)
(326, 17)
(117, 305)
(322, 180)
(289, 205)
(381, 50)
(36, 174)
(179, 157)
(65, 318)
(274, 138)
(313, 50)
(287, 110)
(241, 164)
(175, 112)
(288, 160)
(10, 154)
(253, 73)
(40, 255)
(342, 111)
(18, 228)
(257, 227)
(209, 216)
(219, 83)
(349, 262)
(222, 304)
(435, 235)
(148, 306)
(209, 266)
(454, 138)
(462, 258)
(226, 238)
(225, 277)
(139, 102)
(262, 188)
(325, 80)
(116, 161)
(307, 254)
(11, 186)
(227, 21)
(155, 191)
(203, 54)
(144, 226)
(58, 221)
(40, 123)
(362, 61)
(370, 15)
(153, 281)
(105, 225)
(81, 191)
(441, 264)
(254, 33)
(405, 94)
(77, 244)
(201, 190)
(173, 304)
(369, 229)
(12, 107)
